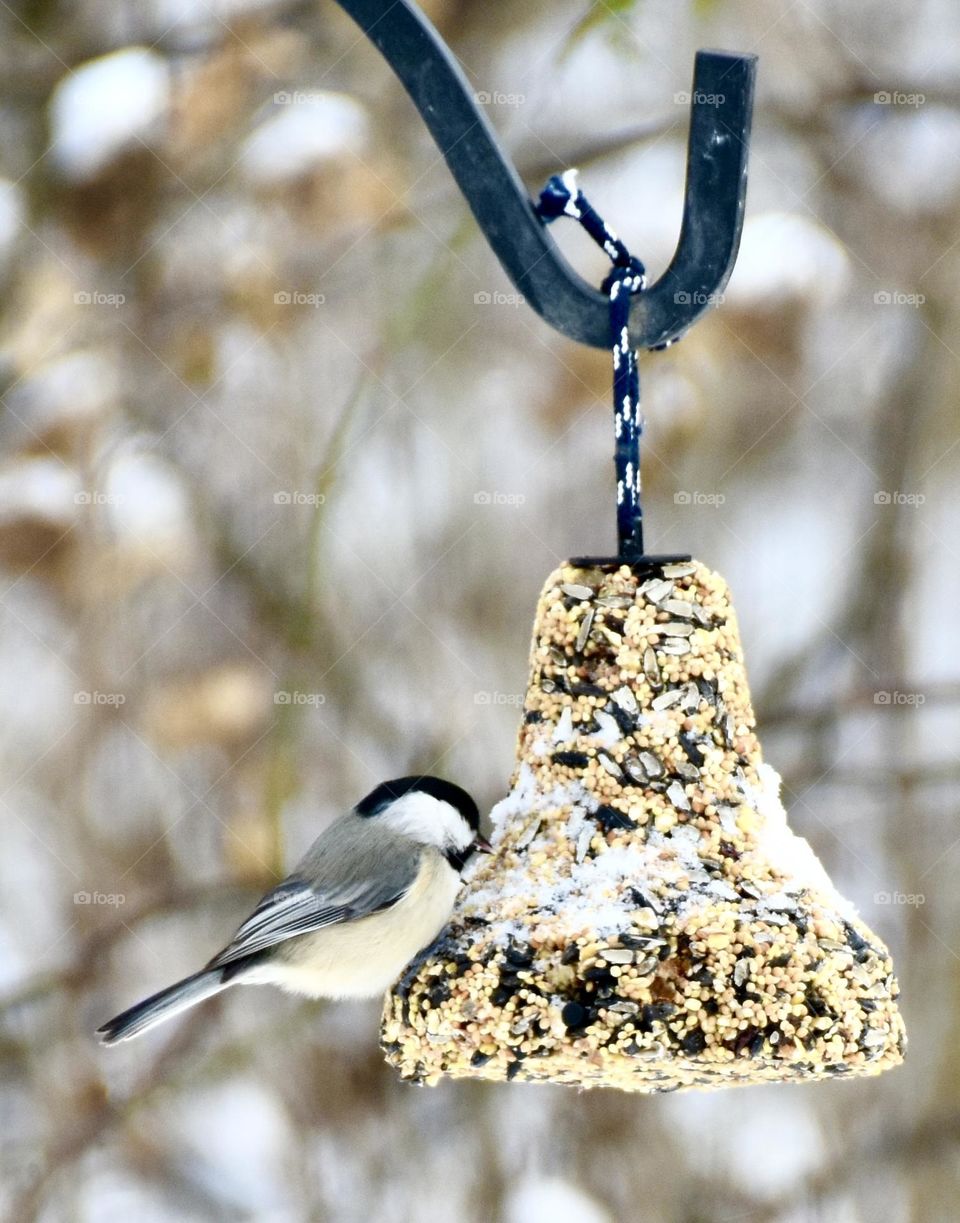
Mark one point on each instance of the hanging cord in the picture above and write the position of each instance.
(561, 197)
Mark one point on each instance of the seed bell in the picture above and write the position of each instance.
(648, 920)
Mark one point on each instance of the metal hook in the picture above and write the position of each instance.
(718, 143)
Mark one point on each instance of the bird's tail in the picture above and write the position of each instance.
(158, 1007)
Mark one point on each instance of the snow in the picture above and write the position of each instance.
(551, 1199)
(105, 106)
(786, 256)
(782, 848)
(308, 130)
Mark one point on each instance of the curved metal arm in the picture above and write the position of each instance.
(721, 108)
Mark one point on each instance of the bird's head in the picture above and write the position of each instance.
(429, 811)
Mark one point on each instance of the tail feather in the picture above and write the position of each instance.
(161, 1006)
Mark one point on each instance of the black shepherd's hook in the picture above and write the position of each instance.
(721, 107)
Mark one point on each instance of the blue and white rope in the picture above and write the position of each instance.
(561, 197)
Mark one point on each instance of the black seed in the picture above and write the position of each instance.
(656, 1012)
(533, 715)
(694, 754)
(572, 760)
(480, 1059)
(520, 955)
(623, 719)
(609, 817)
(574, 1015)
(570, 954)
(756, 1045)
(857, 942)
(694, 1042)
(586, 690)
(513, 1070)
(502, 993)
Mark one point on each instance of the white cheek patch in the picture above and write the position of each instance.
(428, 820)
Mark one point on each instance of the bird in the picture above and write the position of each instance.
(375, 888)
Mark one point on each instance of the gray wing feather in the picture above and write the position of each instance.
(352, 870)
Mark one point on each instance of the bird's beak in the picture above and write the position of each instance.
(481, 845)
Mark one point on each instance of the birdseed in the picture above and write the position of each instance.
(659, 928)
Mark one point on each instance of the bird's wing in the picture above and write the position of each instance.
(297, 907)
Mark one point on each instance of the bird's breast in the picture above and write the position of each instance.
(362, 958)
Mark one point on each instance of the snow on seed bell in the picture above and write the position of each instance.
(648, 921)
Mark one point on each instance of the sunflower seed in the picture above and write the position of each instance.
(741, 972)
(609, 765)
(781, 902)
(691, 698)
(675, 645)
(651, 668)
(649, 1055)
(728, 817)
(624, 1006)
(617, 955)
(675, 628)
(873, 1037)
(647, 966)
(576, 592)
(682, 569)
(635, 771)
(689, 772)
(615, 601)
(671, 697)
(626, 700)
(583, 842)
(680, 608)
(528, 833)
(652, 764)
(586, 624)
(678, 796)
(656, 590)
(702, 616)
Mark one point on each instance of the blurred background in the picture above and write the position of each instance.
(283, 465)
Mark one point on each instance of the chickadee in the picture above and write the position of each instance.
(374, 889)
